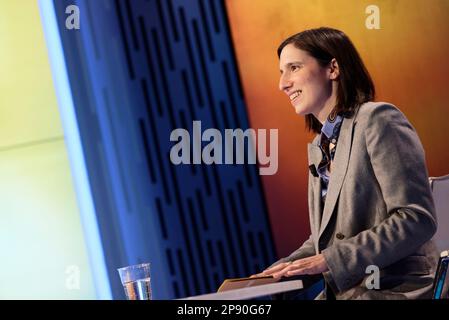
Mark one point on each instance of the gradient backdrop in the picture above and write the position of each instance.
(41, 232)
(407, 57)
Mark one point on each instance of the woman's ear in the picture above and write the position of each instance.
(334, 70)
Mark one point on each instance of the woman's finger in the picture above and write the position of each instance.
(276, 268)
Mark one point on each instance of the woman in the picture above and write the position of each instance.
(370, 203)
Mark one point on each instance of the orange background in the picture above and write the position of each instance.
(408, 58)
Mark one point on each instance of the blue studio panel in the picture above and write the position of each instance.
(137, 70)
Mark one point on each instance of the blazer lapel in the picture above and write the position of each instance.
(338, 173)
(315, 156)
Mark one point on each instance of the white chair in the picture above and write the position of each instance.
(440, 192)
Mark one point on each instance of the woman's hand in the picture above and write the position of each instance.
(310, 265)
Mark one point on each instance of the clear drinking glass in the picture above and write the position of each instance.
(136, 281)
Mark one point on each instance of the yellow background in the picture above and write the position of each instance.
(42, 248)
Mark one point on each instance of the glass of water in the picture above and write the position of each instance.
(136, 281)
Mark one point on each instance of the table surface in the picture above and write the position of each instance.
(252, 292)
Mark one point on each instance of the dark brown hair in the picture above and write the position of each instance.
(355, 85)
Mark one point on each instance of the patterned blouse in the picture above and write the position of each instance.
(328, 145)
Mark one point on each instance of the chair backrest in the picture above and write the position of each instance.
(441, 281)
(440, 192)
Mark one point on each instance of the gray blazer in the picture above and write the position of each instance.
(378, 211)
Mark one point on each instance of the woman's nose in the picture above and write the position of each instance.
(284, 83)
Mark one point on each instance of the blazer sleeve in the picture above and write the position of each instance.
(398, 162)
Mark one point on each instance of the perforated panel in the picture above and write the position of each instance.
(138, 70)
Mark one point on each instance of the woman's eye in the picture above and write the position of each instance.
(294, 68)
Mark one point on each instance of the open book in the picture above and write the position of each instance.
(238, 283)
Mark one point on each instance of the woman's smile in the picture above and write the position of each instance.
(294, 97)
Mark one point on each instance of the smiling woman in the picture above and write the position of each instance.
(406, 57)
(389, 222)
(309, 62)
(306, 83)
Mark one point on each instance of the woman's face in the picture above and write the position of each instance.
(307, 84)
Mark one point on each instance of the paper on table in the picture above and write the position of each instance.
(238, 283)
